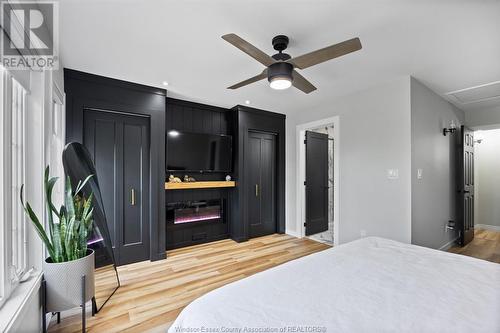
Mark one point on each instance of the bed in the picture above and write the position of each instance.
(368, 285)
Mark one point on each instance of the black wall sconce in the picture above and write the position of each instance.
(451, 130)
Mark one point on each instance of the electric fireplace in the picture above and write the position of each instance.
(196, 221)
(194, 212)
(197, 212)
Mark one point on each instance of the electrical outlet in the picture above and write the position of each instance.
(392, 174)
(362, 233)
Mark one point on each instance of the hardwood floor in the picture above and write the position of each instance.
(153, 293)
(485, 245)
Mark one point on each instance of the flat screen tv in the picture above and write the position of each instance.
(196, 152)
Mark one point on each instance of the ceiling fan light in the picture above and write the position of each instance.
(279, 75)
(280, 82)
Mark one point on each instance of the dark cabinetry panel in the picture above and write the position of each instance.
(87, 91)
(261, 184)
(198, 118)
(246, 123)
(119, 146)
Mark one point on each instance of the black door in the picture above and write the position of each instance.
(467, 183)
(261, 190)
(119, 145)
(316, 182)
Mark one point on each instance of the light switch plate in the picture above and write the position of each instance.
(392, 174)
(420, 173)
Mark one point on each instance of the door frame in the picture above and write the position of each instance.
(301, 174)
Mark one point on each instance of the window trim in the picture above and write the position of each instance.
(9, 279)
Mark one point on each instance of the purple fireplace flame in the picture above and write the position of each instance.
(197, 214)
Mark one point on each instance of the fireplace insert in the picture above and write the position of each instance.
(194, 212)
(195, 222)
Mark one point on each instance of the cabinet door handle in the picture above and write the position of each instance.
(256, 190)
(132, 197)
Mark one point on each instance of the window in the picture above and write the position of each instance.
(13, 255)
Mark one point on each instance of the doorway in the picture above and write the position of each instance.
(326, 188)
(119, 146)
(487, 179)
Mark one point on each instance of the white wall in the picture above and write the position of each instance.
(487, 167)
(374, 136)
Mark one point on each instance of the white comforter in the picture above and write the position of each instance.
(369, 285)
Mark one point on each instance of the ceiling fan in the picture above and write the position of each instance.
(280, 68)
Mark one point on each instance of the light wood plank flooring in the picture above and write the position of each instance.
(485, 245)
(153, 293)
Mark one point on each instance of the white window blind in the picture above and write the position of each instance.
(18, 218)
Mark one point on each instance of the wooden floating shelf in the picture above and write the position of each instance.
(195, 185)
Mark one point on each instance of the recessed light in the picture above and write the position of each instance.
(247, 102)
(173, 133)
(165, 83)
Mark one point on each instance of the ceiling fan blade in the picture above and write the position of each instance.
(327, 53)
(256, 78)
(249, 49)
(301, 83)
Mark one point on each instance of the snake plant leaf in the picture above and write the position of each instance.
(80, 185)
(82, 239)
(49, 185)
(56, 239)
(68, 199)
(69, 237)
(87, 206)
(36, 223)
(88, 221)
(65, 239)
(62, 233)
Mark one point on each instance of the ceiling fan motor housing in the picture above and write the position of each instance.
(280, 42)
(279, 70)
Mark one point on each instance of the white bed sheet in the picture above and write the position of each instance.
(369, 285)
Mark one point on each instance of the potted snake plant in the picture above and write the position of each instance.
(66, 243)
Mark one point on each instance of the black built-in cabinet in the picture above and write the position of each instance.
(261, 184)
(88, 95)
(119, 146)
(247, 122)
(192, 117)
(245, 215)
(130, 121)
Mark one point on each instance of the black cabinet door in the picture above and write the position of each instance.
(119, 145)
(316, 182)
(261, 184)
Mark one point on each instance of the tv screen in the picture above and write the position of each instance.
(195, 152)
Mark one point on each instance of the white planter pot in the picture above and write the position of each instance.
(64, 282)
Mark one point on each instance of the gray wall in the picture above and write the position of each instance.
(487, 167)
(433, 196)
(374, 136)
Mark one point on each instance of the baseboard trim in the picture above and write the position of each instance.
(487, 227)
(292, 233)
(448, 245)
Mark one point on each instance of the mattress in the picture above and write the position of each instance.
(368, 285)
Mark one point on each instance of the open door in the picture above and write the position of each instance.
(316, 183)
(466, 200)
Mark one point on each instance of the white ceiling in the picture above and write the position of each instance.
(449, 45)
